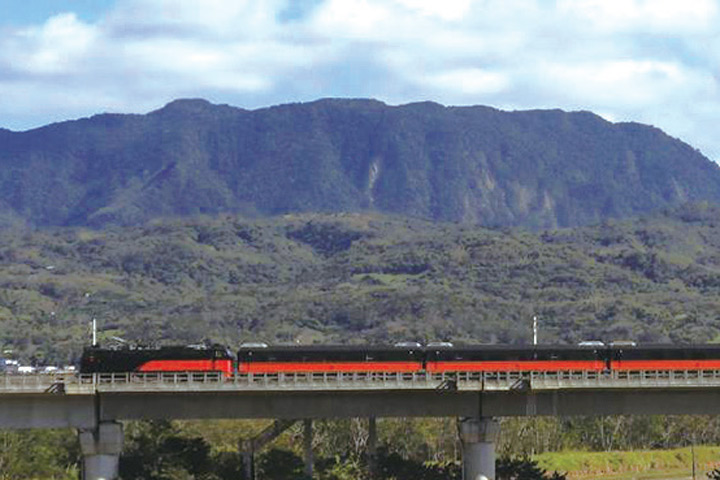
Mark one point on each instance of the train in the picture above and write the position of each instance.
(404, 357)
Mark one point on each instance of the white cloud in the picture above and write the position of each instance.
(470, 81)
(58, 46)
(631, 83)
(354, 19)
(207, 18)
(655, 61)
(446, 10)
(665, 16)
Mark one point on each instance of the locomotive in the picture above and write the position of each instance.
(406, 357)
(192, 358)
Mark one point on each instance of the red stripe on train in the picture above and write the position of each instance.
(626, 365)
(224, 366)
(515, 366)
(312, 367)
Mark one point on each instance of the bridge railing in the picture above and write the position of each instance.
(625, 379)
(268, 381)
(44, 383)
(484, 381)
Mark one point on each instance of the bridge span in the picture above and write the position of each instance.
(95, 403)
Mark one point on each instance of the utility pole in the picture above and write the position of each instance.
(692, 450)
(94, 332)
(535, 329)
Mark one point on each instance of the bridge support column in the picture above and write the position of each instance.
(307, 440)
(101, 449)
(248, 460)
(372, 447)
(478, 436)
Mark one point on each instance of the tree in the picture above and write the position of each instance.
(278, 464)
(507, 468)
(31, 454)
(156, 450)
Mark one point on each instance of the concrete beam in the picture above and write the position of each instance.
(288, 405)
(616, 402)
(45, 410)
(403, 403)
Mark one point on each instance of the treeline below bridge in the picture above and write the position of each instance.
(425, 449)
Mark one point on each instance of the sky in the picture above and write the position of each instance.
(648, 61)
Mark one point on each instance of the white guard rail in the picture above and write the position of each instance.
(462, 381)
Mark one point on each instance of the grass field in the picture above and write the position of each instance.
(644, 464)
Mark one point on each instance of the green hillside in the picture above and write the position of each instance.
(359, 278)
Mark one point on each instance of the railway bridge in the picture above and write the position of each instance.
(95, 404)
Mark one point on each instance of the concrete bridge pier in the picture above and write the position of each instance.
(478, 436)
(101, 449)
(372, 447)
(307, 446)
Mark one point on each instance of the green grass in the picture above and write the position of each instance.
(641, 464)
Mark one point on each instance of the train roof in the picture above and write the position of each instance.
(402, 346)
(483, 346)
(326, 348)
(669, 346)
(157, 348)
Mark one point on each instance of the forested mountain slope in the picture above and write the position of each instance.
(360, 278)
(476, 165)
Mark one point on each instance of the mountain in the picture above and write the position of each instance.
(544, 168)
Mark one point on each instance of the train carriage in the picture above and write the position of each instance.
(258, 359)
(665, 357)
(496, 358)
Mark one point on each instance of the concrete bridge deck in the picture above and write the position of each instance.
(81, 401)
(94, 403)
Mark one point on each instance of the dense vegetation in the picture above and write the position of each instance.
(426, 449)
(359, 278)
(472, 164)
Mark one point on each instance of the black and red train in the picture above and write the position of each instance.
(402, 358)
(215, 358)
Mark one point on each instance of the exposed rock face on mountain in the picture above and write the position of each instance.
(468, 164)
